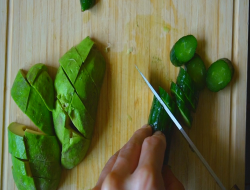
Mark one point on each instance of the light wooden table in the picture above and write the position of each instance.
(138, 32)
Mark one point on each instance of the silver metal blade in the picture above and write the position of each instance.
(183, 132)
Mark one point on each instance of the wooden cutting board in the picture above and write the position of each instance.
(138, 32)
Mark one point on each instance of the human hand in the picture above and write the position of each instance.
(138, 165)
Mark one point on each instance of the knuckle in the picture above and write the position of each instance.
(111, 181)
(141, 132)
(147, 170)
(155, 141)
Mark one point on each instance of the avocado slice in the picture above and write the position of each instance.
(16, 140)
(39, 114)
(36, 168)
(35, 71)
(74, 151)
(87, 91)
(80, 117)
(96, 67)
(84, 47)
(21, 166)
(71, 63)
(64, 89)
(46, 184)
(47, 170)
(20, 91)
(74, 145)
(23, 182)
(45, 88)
(42, 147)
(59, 119)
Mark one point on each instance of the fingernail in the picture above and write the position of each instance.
(146, 126)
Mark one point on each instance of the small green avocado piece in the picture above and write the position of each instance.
(21, 166)
(23, 182)
(16, 140)
(80, 117)
(84, 47)
(36, 168)
(73, 144)
(39, 114)
(20, 91)
(47, 170)
(46, 184)
(59, 119)
(35, 71)
(64, 89)
(42, 147)
(96, 67)
(71, 63)
(87, 91)
(74, 151)
(45, 88)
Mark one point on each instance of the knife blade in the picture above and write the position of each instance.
(183, 132)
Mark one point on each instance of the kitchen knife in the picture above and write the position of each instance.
(183, 132)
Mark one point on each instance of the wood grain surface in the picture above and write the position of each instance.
(138, 32)
(3, 61)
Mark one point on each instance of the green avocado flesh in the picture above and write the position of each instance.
(21, 166)
(46, 184)
(81, 119)
(23, 182)
(73, 144)
(77, 84)
(87, 91)
(64, 89)
(96, 67)
(31, 99)
(20, 91)
(59, 119)
(84, 47)
(41, 167)
(74, 151)
(71, 63)
(45, 88)
(42, 147)
(16, 140)
(35, 71)
(39, 114)
(47, 170)
(36, 168)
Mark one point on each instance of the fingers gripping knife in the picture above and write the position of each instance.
(183, 133)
